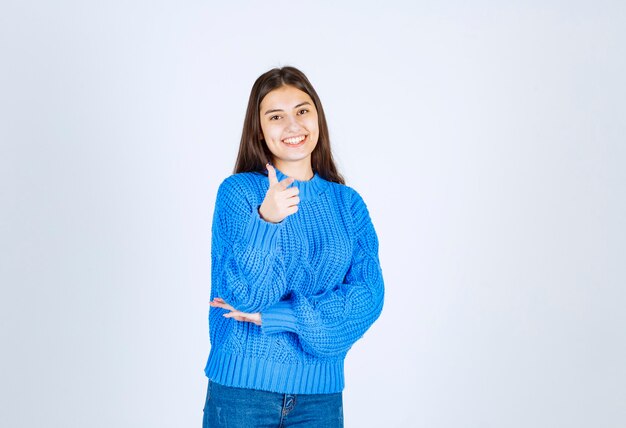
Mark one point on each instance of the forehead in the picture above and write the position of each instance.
(285, 97)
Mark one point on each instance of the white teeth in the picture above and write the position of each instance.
(295, 140)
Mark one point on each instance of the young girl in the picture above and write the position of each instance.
(295, 274)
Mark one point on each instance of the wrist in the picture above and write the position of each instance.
(260, 213)
(265, 218)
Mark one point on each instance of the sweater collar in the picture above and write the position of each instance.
(309, 189)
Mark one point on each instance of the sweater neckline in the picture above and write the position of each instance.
(309, 189)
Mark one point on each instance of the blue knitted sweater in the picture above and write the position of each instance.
(315, 277)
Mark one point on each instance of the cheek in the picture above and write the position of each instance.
(269, 132)
(312, 124)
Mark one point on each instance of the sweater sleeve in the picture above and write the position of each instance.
(247, 267)
(329, 324)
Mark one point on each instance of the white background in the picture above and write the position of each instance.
(486, 139)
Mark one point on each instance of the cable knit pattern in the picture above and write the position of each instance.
(315, 277)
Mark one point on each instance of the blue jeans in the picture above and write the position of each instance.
(227, 406)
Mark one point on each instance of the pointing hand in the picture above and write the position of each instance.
(279, 201)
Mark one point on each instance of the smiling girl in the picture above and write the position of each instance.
(295, 274)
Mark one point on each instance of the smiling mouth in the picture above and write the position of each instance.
(295, 141)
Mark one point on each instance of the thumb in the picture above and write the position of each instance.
(271, 174)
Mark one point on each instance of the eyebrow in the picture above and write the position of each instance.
(275, 110)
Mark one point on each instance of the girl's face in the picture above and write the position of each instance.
(289, 125)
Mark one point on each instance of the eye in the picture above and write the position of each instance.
(303, 110)
(275, 116)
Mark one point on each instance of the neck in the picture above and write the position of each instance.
(301, 171)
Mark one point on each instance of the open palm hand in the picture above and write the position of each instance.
(234, 313)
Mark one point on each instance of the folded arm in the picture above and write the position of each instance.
(329, 324)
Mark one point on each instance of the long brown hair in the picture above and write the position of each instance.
(253, 152)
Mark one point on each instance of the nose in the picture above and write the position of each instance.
(294, 124)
